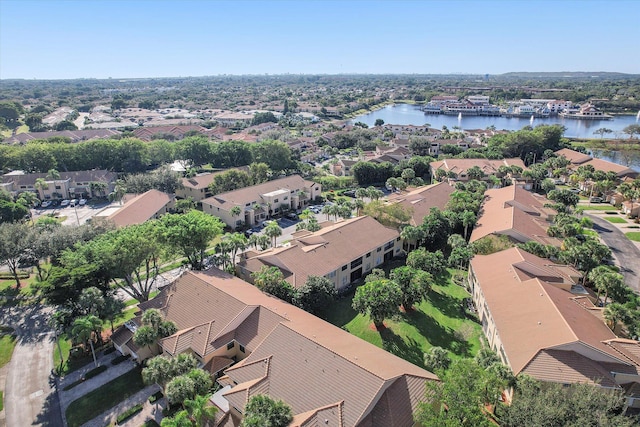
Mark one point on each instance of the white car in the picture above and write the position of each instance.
(45, 204)
(82, 202)
(65, 203)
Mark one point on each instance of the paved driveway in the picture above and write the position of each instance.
(627, 253)
(30, 396)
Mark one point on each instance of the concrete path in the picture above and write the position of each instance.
(30, 395)
(624, 250)
(112, 372)
(110, 415)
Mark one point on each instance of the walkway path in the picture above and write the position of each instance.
(623, 249)
(30, 396)
(110, 415)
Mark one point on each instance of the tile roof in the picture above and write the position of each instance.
(573, 156)
(489, 167)
(326, 250)
(515, 211)
(140, 208)
(73, 135)
(320, 370)
(532, 314)
(98, 175)
(579, 159)
(246, 195)
(422, 199)
(203, 180)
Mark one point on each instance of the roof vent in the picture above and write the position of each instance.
(539, 322)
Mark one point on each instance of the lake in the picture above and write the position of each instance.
(408, 114)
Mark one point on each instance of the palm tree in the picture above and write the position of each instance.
(273, 231)
(237, 242)
(85, 329)
(200, 411)
(359, 205)
(615, 313)
(41, 185)
(468, 218)
(53, 174)
(97, 189)
(235, 211)
(181, 419)
(412, 236)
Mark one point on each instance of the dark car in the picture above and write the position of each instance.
(292, 216)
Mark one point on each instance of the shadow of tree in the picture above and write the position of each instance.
(447, 305)
(438, 335)
(50, 416)
(410, 351)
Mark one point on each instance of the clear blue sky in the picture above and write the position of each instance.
(50, 39)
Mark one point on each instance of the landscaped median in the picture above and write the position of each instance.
(103, 398)
(633, 235)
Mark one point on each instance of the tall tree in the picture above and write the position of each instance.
(263, 411)
(201, 411)
(87, 329)
(15, 240)
(379, 299)
(414, 285)
(274, 231)
(189, 234)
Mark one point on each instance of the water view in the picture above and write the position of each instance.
(407, 114)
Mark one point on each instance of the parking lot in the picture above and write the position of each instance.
(76, 215)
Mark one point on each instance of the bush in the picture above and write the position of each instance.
(5, 275)
(129, 413)
(155, 396)
(120, 359)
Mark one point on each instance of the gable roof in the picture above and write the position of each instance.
(295, 356)
(420, 200)
(246, 195)
(534, 314)
(515, 211)
(324, 251)
(140, 208)
(579, 159)
(204, 179)
(96, 175)
(489, 167)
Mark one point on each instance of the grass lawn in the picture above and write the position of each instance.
(634, 235)
(603, 207)
(615, 219)
(592, 233)
(7, 344)
(99, 400)
(127, 314)
(438, 321)
(1, 400)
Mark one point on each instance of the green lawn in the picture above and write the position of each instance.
(591, 233)
(7, 344)
(603, 207)
(99, 400)
(634, 235)
(439, 321)
(1, 400)
(615, 219)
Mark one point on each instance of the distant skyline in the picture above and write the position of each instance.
(50, 39)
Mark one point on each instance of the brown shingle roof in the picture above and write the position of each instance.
(303, 360)
(326, 250)
(141, 208)
(249, 194)
(489, 167)
(531, 314)
(515, 211)
(574, 157)
(422, 199)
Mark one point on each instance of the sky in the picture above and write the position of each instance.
(51, 39)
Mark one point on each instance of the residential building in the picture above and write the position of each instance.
(343, 252)
(456, 169)
(253, 343)
(515, 212)
(69, 185)
(141, 208)
(579, 159)
(197, 187)
(540, 323)
(420, 200)
(437, 144)
(259, 202)
(631, 209)
(73, 135)
(342, 167)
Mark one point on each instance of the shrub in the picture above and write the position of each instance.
(155, 396)
(129, 413)
(5, 275)
(120, 359)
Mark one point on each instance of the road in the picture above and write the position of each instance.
(627, 254)
(30, 394)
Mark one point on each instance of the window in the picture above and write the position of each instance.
(58, 187)
(275, 200)
(369, 255)
(378, 250)
(242, 348)
(248, 204)
(331, 275)
(356, 263)
(230, 345)
(398, 239)
(389, 245)
(344, 267)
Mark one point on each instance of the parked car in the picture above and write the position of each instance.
(73, 202)
(595, 200)
(45, 204)
(292, 216)
(82, 202)
(65, 203)
(574, 190)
